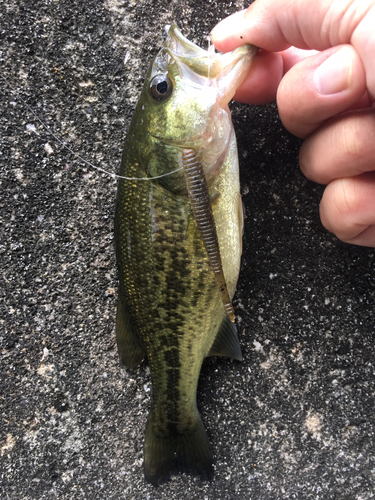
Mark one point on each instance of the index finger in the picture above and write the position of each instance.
(275, 25)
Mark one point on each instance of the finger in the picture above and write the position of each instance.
(347, 209)
(320, 87)
(260, 85)
(293, 55)
(227, 35)
(267, 70)
(275, 25)
(363, 39)
(344, 147)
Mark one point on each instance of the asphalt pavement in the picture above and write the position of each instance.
(295, 419)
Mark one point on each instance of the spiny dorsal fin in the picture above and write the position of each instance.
(226, 342)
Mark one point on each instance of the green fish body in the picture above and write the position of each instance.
(170, 308)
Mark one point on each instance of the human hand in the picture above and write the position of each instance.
(318, 60)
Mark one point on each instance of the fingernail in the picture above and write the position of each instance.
(335, 73)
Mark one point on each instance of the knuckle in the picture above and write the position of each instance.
(357, 137)
(345, 198)
(339, 208)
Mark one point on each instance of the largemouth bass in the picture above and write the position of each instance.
(178, 229)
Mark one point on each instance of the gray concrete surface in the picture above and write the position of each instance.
(295, 419)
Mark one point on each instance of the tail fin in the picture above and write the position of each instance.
(177, 452)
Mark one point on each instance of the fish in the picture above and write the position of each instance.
(178, 237)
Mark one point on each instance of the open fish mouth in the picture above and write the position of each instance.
(203, 62)
(207, 67)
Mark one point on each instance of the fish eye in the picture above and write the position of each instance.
(161, 87)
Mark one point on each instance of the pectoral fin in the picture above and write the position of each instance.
(226, 342)
(130, 351)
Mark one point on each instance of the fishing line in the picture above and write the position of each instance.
(45, 126)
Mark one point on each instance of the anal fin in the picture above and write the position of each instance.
(130, 352)
(226, 342)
